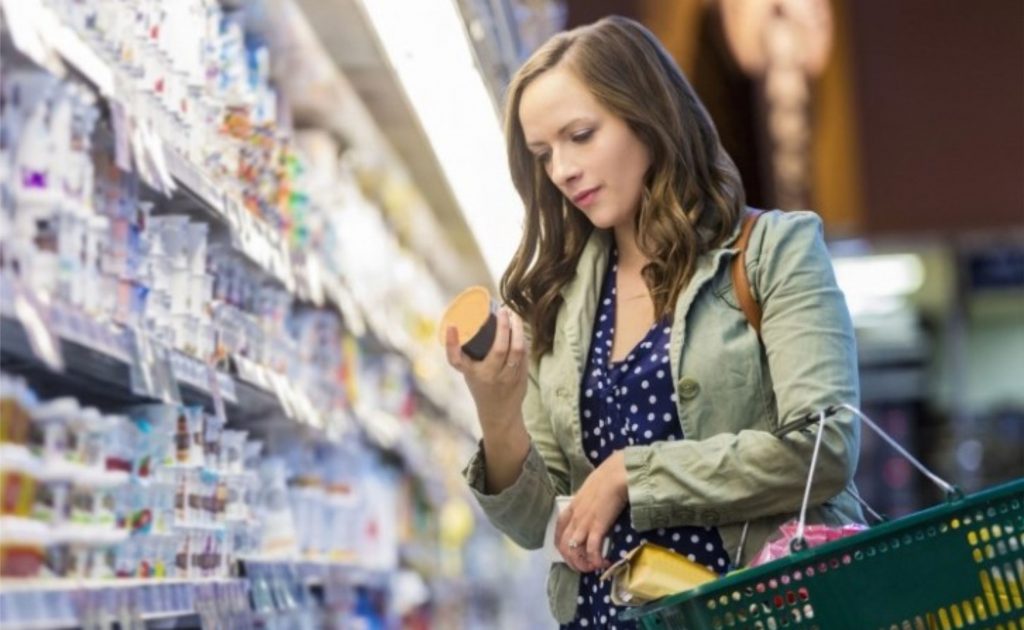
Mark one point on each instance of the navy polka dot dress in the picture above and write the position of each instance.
(625, 403)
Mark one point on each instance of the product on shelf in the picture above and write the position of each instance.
(157, 210)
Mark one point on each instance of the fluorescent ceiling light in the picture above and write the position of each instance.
(878, 284)
(427, 46)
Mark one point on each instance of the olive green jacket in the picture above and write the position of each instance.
(732, 390)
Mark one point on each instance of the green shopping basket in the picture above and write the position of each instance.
(956, 565)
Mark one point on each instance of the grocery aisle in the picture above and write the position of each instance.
(223, 404)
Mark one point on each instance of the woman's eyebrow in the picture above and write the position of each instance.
(535, 145)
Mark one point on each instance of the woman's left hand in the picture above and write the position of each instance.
(582, 527)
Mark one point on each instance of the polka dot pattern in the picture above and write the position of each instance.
(626, 403)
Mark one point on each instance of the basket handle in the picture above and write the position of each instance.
(799, 542)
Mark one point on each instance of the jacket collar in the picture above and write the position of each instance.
(580, 295)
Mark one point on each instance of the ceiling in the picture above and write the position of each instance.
(345, 33)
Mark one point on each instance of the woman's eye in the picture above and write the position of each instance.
(582, 136)
(544, 158)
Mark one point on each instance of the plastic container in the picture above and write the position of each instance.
(22, 546)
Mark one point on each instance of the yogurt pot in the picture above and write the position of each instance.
(473, 313)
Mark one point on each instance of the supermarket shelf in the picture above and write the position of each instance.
(105, 378)
(196, 194)
(57, 585)
(54, 624)
(254, 399)
(199, 197)
(318, 572)
(67, 603)
(266, 251)
(89, 374)
(99, 378)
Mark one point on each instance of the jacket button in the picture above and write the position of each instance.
(688, 388)
(562, 392)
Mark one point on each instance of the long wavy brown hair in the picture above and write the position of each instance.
(693, 193)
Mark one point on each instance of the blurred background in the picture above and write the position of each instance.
(901, 123)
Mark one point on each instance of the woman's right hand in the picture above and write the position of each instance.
(498, 382)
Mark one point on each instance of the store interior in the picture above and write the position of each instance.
(228, 229)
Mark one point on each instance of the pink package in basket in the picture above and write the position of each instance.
(814, 535)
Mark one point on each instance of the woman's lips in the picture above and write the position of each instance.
(586, 197)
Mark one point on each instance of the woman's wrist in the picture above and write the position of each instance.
(505, 450)
(510, 437)
(620, 477)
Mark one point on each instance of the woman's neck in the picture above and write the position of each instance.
(630, 257)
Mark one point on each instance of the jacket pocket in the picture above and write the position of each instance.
(563, 586)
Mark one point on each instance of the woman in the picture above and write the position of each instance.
(643, 391)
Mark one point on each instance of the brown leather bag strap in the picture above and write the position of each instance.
(740, 282)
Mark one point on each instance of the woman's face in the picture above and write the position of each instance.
(589, 153)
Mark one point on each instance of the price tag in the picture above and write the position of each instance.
(152, 374)
(246, 370)
(313, 418)
(232, 212)
(278, 383)
(314, 280)
(73, 49)
(227, 387)
(212, 377)
(143, 381)
(263, 377)
(296, 402)
(142, 161)
(43, 343)
(122, 136)
(178, 367)
(158, 156)
(22, 23)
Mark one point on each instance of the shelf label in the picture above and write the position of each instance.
(122, 136)
(214, 382)
(151, 373)
(43, 343)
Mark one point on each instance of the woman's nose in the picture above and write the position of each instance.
(564, 171)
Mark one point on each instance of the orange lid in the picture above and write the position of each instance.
(467, 312)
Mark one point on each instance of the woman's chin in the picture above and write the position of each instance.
(604, 220)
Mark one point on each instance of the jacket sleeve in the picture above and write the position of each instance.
(808, 338)
(521, 511)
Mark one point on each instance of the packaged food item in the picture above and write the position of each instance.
(16, 404)
(162, 499)
(188, 436)
(23, 545)
(472, 313)
(53, 500)
(780, 545)
(650, 572)
(19, 474)
(159, 424)
(213, 429)
(122, 445)
(52, 438)
(232, 445)
(182, 490)
(129, 557)
(87, 438)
